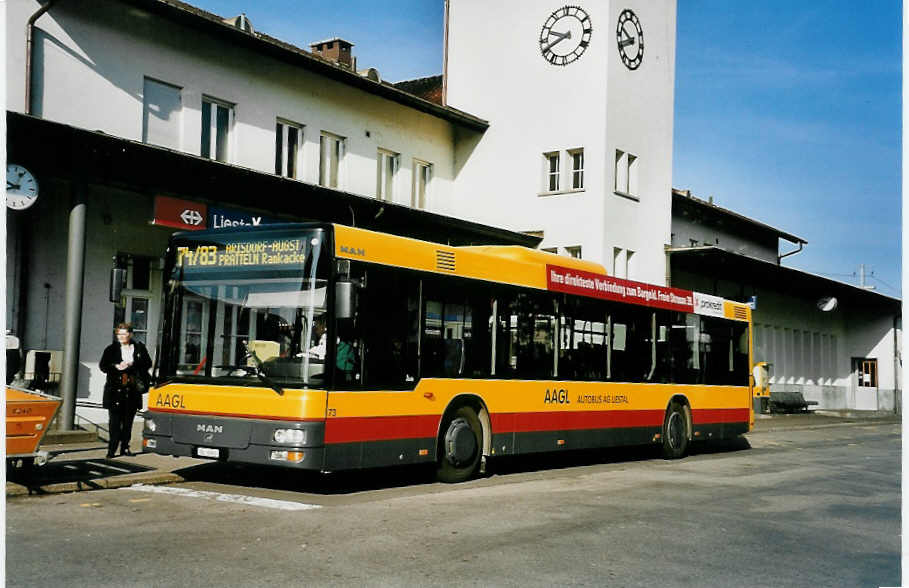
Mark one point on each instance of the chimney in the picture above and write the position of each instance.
(336, 50)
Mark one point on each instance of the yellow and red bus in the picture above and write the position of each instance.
(327, 347)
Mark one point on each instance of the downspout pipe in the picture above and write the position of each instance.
(779, 258)
(29, 32)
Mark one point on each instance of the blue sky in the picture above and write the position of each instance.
(785, 112)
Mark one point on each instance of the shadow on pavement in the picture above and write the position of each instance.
(350, 482)
(84, 471)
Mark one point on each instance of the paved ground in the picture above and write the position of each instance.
(797, 503)
(85, 467)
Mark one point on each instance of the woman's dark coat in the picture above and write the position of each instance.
(139, 370)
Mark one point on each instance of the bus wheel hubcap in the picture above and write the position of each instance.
(675, 430)
(460, 442)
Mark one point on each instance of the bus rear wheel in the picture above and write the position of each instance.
(460, 446)
(675, 431)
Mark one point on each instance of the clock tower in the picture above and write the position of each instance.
(579, 99)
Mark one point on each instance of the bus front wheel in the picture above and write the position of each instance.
(460, 446)
(675, 431)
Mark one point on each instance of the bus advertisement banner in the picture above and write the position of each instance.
(583, 283)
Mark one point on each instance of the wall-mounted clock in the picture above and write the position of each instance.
(21, 187)
(630, 37)
(565, 35)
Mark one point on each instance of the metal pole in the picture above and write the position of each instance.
(72, 317)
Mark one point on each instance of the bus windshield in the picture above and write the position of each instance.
(247, 306)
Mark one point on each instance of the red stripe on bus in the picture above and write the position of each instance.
(709, 416)
(353, 429)
(569, 421)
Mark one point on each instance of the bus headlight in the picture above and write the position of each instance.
(290, 436)
(150, 425)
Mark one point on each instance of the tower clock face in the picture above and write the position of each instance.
(630, 37)
(565, 35)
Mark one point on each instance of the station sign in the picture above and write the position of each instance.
(180, 214)
(229, 218)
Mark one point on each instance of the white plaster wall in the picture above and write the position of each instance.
(639, 120)
(495, 70)
(91, 63)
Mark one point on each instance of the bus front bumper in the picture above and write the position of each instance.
(295, 444)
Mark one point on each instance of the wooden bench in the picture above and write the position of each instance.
(789, 402)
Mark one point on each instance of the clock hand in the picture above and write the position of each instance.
(11, 186)
(561, 37)
(626, 42)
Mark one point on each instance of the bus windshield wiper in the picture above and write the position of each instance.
(259, 370)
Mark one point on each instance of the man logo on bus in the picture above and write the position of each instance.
(209, 429)
(556, 396)
(353, 251)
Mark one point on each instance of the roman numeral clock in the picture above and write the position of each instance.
(565, 35)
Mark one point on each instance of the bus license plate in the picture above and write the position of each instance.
(208, 452)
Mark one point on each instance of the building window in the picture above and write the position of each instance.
(332, 148)
(577, 169)
(626, 174)
(288, 142)
(554, 250)
(629, 255)
(217, 121)
(553, 171)
(386, 169)
(574, 252)
(422, 174)
(867, 372)
(162, 114)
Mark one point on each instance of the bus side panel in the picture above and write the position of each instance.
(369, 429)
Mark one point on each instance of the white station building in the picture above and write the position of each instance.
(551, 126)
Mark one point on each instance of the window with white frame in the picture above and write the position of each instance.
(387, 163)
(288, 143)
(331, 158)
(629, 256)
(576, 157)
(217, 122)
(162, 114)
(552, 162)
(626, 174)
(574, 251)
(422, 175)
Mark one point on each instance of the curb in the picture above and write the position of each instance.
(849, 423)
(149, 478)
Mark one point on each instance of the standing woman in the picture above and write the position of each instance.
(126, 364)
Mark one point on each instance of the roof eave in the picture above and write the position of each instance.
(193, 17)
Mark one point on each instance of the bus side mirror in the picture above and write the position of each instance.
(117, 283)
(345, 300)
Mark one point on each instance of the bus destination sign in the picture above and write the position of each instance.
(270, 253)
(572, 281)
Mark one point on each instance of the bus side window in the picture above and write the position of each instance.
(525, 337)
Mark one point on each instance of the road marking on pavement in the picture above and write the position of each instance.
(107, 467)
(91, 504)
(140, 499)
(221, 497)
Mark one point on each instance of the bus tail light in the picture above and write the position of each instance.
(150, 443)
